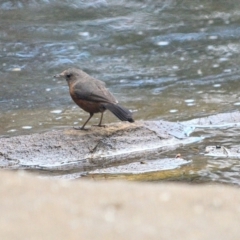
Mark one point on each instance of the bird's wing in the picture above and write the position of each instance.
(93, 91)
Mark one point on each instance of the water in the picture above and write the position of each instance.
(172, 60)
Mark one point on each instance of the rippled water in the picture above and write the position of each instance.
(172, 60)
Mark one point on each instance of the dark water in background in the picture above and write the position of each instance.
(168, 59)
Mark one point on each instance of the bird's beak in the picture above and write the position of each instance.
(59, 75)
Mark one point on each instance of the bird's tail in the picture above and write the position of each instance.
(120, 112)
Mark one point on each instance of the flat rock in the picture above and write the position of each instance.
(222, 152)
(73, 150)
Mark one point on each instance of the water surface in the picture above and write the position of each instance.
(172, 60)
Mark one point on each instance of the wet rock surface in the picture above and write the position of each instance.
(221, 151)
(75, 152)
(72, 150)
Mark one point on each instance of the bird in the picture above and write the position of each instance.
(92, 96)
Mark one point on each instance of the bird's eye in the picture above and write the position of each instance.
(68, 75)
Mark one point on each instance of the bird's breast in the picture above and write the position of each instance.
(88, 106)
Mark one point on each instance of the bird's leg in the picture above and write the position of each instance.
(100, 122)
(82, 128)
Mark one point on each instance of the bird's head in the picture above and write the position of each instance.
(70, 74)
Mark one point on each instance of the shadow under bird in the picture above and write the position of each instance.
(92, 96)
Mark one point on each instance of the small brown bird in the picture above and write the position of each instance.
(92, 96)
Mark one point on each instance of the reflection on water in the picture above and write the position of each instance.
(167, 59)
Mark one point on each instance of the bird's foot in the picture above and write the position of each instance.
(80, 128)
(99, 125)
